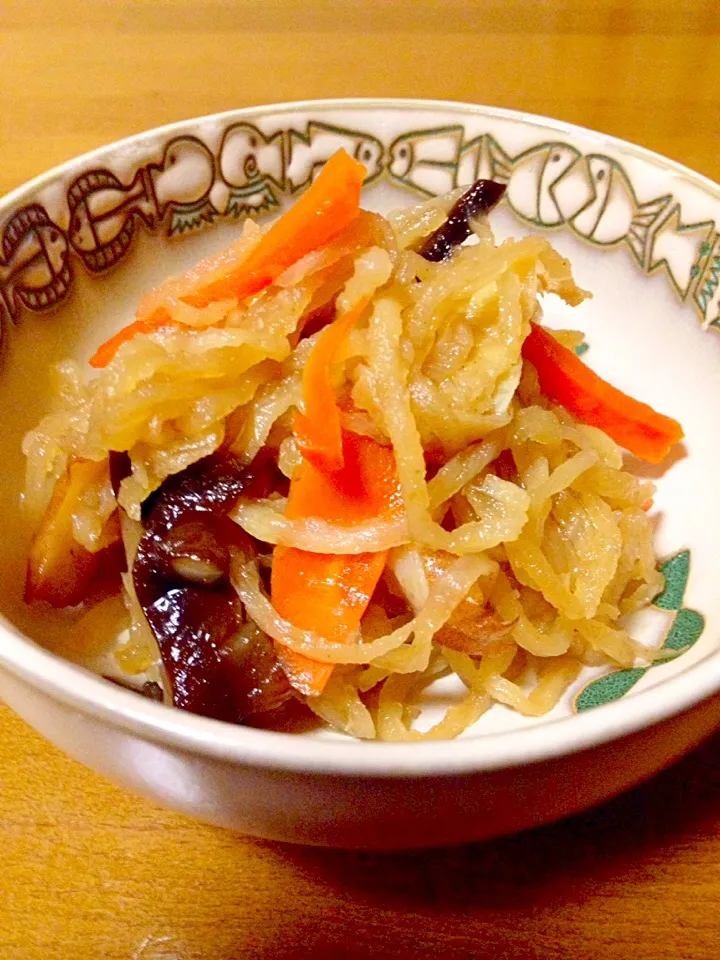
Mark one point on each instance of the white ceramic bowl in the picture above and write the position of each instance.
(79, 245)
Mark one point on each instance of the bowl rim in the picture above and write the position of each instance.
(94, 697)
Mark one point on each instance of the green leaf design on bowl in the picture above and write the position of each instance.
(608, 688)
(676, 571)
(582, 348)
(686, 629)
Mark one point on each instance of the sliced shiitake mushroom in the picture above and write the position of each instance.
(217, 664)
(477, 200)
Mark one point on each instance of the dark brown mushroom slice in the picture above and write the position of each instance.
(181, 577)
(479, 199)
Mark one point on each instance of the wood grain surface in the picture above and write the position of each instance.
(88, 871)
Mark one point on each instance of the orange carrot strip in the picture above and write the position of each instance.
(320, 214)
(327, 208)
(318, 430)
(325, 593)
(566, 380)
(364, 489)
(104, 354)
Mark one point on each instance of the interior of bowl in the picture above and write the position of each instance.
(81, 245)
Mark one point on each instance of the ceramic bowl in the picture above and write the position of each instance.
(78, 247)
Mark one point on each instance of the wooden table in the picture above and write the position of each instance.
(88, 871)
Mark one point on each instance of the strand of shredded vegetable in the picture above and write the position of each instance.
(265, 521)
(391, 384)
(445, 595)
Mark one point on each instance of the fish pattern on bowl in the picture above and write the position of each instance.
(189, 185)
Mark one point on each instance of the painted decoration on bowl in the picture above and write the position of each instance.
(35, 270)
(684, 631)
(188, 186)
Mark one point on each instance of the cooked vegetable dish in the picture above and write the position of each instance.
(342, 460)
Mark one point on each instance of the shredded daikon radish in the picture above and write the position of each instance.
(265, 521)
